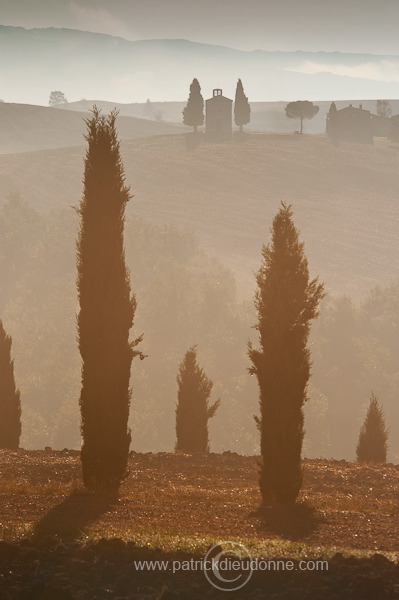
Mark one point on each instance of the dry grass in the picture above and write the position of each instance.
(169, 499)
(26, 487)
(354, 503)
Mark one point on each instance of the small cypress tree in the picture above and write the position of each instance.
(242, 109)
(332, 123)
(10, 402)
(107, 309)
(193, 409)
(373, 438)
(193, 113)
(286, 302)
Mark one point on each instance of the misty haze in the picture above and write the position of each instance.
(199, 306)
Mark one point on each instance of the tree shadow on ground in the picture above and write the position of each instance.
(68, 519)
(290, 522)
(108, 568)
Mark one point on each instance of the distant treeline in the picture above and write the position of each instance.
(354, 347)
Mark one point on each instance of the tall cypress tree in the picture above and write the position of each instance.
(10, 402)
(193, 410)
(107, 309)
(193, 112)
(373, 438)
(242, 109)
(286, 301)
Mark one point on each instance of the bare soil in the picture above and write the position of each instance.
(49, 523)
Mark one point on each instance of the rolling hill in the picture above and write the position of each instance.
(345, 199)
(26, 128)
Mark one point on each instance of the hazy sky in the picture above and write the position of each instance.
(329, 25)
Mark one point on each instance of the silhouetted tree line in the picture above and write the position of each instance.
(286, 302)
(356, 126)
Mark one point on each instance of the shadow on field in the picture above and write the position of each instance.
(112, 568)
(68, 519)
(293, 523)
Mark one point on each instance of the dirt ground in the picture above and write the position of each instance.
(44, 511)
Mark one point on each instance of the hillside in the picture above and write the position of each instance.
(25, 128)
(62, 542)
(344, 199)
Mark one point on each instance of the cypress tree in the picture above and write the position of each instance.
(193, 410)
(10, 402)
(193, 113)
(242, 109)
(107, 309)
(373, 438)
(332, 123)
(286, 301)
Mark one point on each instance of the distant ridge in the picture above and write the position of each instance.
(91, 65)
(68, 32)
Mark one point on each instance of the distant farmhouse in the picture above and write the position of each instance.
(218, 117)
(355, 124)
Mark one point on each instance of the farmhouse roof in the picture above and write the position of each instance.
(351, 108)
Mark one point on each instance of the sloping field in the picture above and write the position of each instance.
(25, 128)
(67, 544)
(345, 198)
(343, 504)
